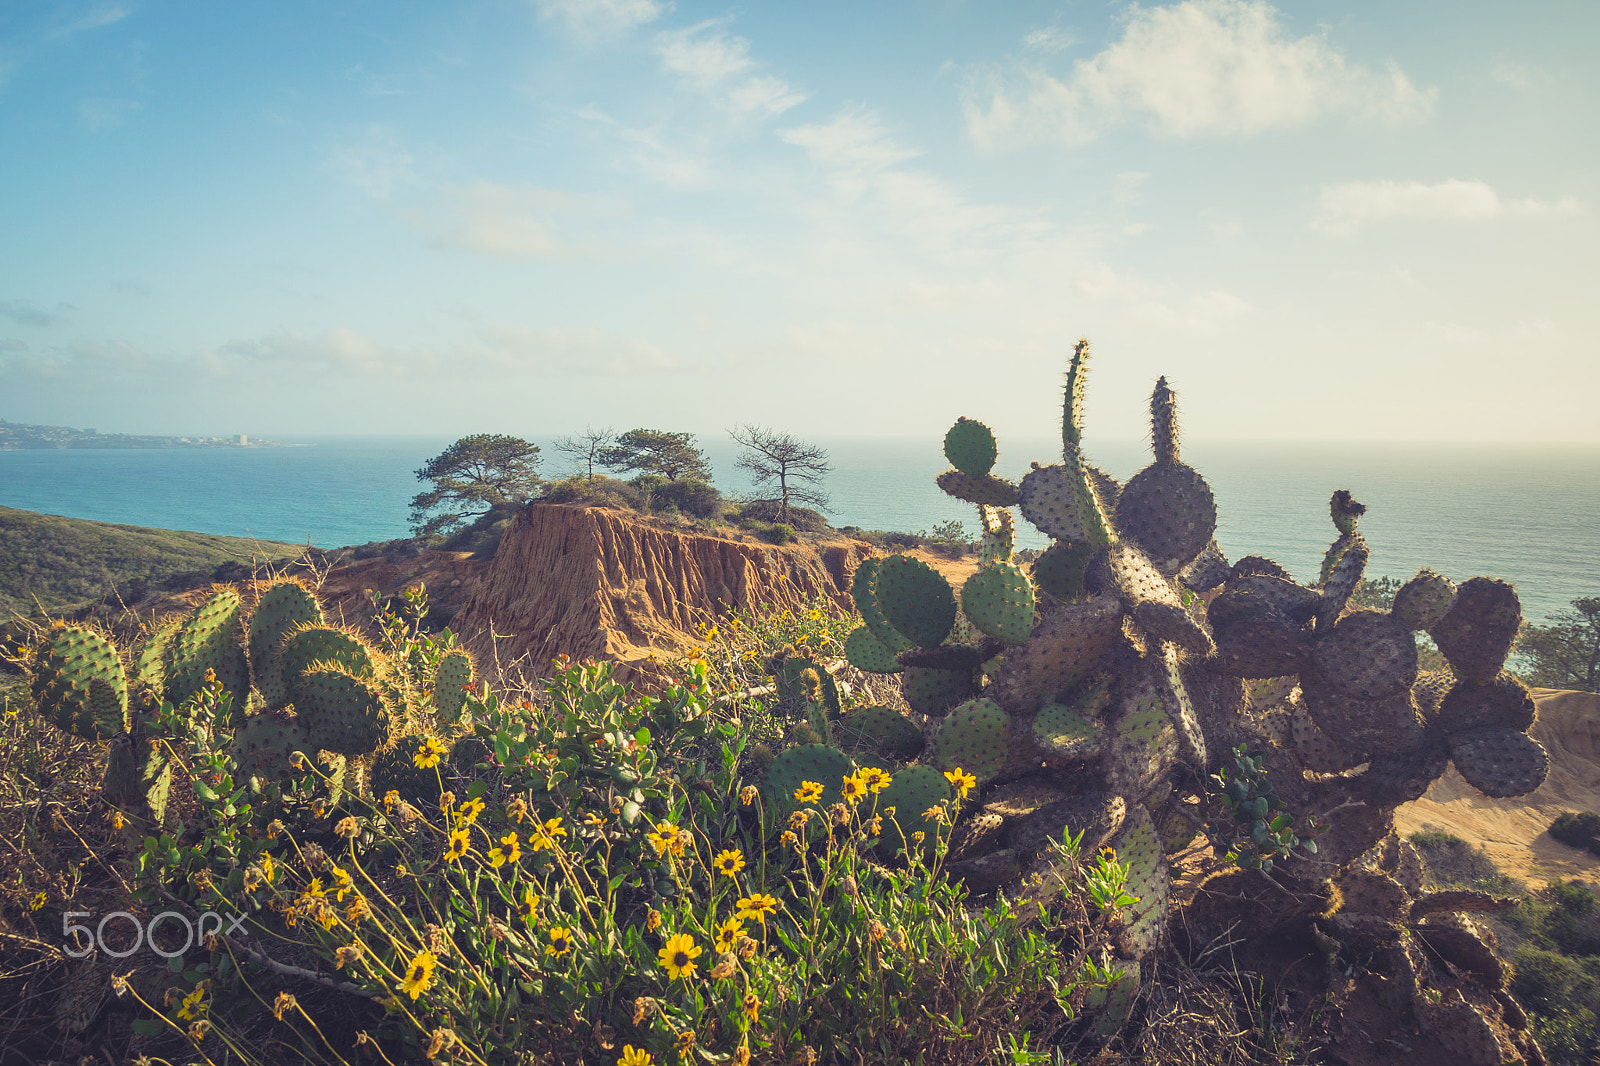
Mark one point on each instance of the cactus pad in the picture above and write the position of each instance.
(1317, 750)
(1140, 847)
(1367, 655)
(881, 731)
(209, 640)
(869, 654)
(1500, 763)
(999, 538)
(1153, 601)
(1504, 702)
(975, 737)
(912, 792)
(1113, 1003)
(989, 491)
(1167, 508)
(314, 644)
(151, 667)
(263, 743)
(1059, 569)
(1476, 634)
(395, 768)
(1065, 735)
(1423, 601)
(79, 683)
(916, 599)
(342, 713)
(933, 692)
(864, 589)
(282, 607)
(998, 600)
(1143, 744)
(1343, 566)
(1058, 500)
(1066, 647)
(1265, 646)
(970, 447)
(822, 763)
(1393, 723)
(450, 684)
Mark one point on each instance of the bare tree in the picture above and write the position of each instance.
(585, 448)
(795, 466)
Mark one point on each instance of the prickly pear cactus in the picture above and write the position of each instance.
(281, 608)
(1114, 673)
(79, 684)
(450, 684)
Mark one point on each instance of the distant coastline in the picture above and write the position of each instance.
(20, 436)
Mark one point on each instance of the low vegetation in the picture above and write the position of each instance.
(1551, 938)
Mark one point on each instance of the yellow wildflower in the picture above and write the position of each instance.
(808, 792)
(419, 974)
(632, 1056)
(854, 788)
(728, 934)
(679, 955)
(357, 910)
(757, 906)
(529, 907)
(429, 752)
(470, 810)
(752, 1005)
(560, 941)
(39, 901)
(458, 845)
(543, 837)
(729, 862)
(961, 781)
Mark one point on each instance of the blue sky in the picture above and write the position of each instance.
(1320, 221)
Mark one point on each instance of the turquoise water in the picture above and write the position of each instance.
(1528, 514)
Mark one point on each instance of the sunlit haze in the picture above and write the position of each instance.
(1321, 221)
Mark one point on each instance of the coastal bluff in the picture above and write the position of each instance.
(592, 582)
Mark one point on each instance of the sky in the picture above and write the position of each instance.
(1323, 222)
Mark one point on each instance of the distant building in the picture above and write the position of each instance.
(244, 438)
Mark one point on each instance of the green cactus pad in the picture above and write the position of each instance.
(912, 792)
(314, 644)
(450, 683)
(879, 730)
(935, 692)
(1180, 708)
(1146, 921)
(1368, 655)
(209, 640)
(1113, 1005)
(869, 654)
(1144, 744)
(1504, 702)
(822, 763)
(970, 447)
(1065, 647)
(1477, 632)
(1500, 763)
(976, 737)
(395, 769)
(1153, 600)
(341, 712)
(987, 491)
(999, 600)
(1059, 570)
(1341, 576)
(1059, 501)
(151, 667)
(864, 589)
(79, 683)
(132, 769)
(958, 657)
(1065, 735)
(999, 538)
(283, 606)
(1423, 601)
(263, 743)
(916, 599)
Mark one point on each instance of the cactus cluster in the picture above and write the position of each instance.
(1111, 675)
(296, 684)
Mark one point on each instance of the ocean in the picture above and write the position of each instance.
(1529, 514)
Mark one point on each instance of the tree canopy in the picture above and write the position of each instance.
(1567, 653)
(653, 451)
(778, 459)
(471, 477)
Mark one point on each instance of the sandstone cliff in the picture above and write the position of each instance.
(596, 583)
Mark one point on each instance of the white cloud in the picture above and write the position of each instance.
(1193, 69)
(92, 19)
(374, 162)
(1048, 39)
(505, 221)
(855, 139)
(715, 63)
(571, 351)
(590, 18)
(336, 349)
(1341, 209)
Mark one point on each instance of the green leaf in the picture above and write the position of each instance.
(148, 1027)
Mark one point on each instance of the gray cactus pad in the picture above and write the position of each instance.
(1367, 655)
(1500, 763)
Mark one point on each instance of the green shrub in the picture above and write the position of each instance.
(598, 491)
(801, 518)
(694, 498)
(1578, 829)
(780, 532)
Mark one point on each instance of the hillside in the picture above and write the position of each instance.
(66, 562)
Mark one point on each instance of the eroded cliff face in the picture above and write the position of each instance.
(595, 583)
